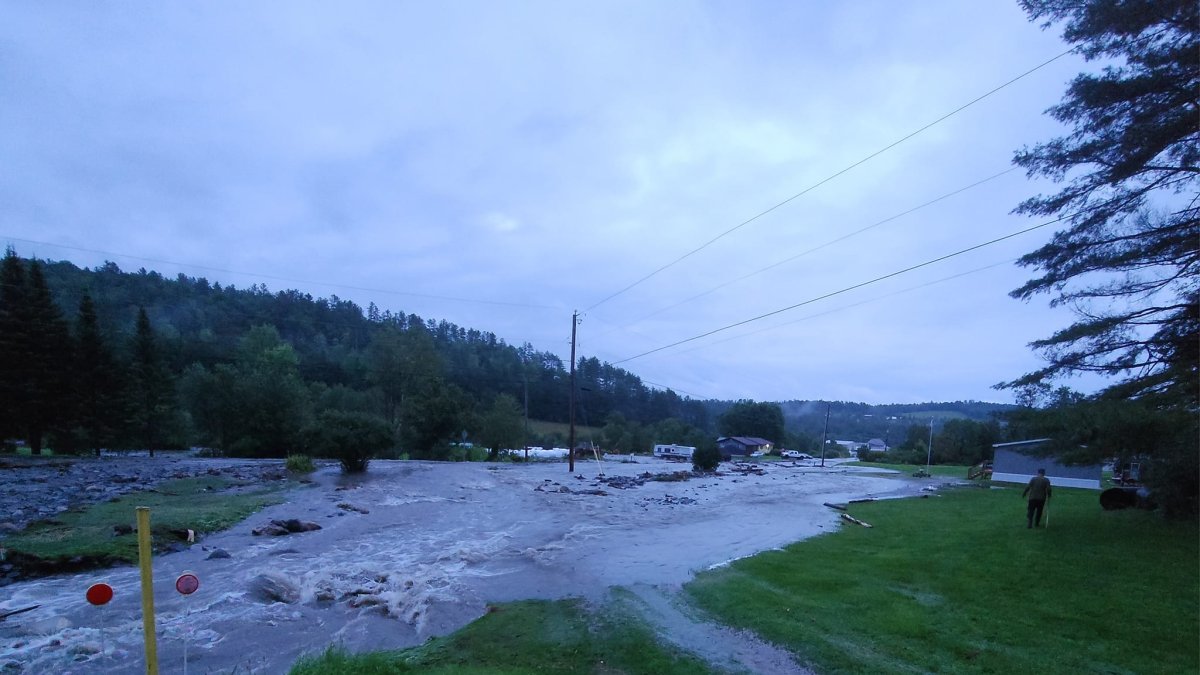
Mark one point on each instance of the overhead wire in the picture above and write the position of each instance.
(850, 306)
(846, 289)
(829, 178)
(822, 246)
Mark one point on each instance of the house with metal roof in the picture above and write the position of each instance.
(742, 445)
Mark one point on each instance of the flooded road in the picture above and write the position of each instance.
(412, 550)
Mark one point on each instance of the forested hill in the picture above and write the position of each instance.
(203, 323)
(860, 421)
(100, 357)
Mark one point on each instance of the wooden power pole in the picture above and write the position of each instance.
(825, 433)
(571, 434)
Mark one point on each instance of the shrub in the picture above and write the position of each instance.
(300, 464)
(706, 458)
(350, 437)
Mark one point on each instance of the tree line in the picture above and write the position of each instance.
(103, 358)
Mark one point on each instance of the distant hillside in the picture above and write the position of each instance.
(202, 329)
(861, 421)
(202, 323)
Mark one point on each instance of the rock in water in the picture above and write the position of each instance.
(294, 525)
(277, 528)
(274, 587)
(219, 553)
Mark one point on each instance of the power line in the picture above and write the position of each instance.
(670, 388)
(835, 175)
(846, 289)
(822, 246)
(283, 279)
(850, 306)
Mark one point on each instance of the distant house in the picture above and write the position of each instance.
(742, 445)
(877, 445)
(1017, 463)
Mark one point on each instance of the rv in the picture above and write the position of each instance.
(674, 451)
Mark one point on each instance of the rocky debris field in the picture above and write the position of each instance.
(37, 488)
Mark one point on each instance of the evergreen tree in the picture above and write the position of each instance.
(1129, 260)
(14, 362)
(48, 348)
(151, 389)
(96, 380)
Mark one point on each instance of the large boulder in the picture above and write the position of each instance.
(278, 528)
(274, 587)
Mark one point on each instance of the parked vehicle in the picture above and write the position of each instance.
(795, 454)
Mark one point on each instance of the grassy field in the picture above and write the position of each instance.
(958, 584)
(582, 433)
(192, 503)
(948, 470)
(525, 637)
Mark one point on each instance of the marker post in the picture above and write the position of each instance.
(186, 584)
(99, 595)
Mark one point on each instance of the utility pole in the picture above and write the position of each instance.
(929, 453)
(824, 433)
(525, 386)
(571, 436)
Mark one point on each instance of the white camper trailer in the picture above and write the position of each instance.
(674, 451)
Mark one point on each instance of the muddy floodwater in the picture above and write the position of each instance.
(411, 550)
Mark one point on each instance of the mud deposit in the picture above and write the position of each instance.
(411, 550)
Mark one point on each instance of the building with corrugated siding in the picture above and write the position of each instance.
(1018, 462)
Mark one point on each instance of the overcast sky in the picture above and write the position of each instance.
(501, 164)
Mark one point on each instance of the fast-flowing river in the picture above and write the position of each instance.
(436, 544)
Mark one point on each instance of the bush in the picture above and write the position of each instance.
(300, 464)
(706, 458)
(351, 438)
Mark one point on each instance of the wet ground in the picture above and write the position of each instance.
(413, 549)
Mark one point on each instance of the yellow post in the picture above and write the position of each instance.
(143, 527)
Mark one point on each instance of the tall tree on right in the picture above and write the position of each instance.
(1128, 259)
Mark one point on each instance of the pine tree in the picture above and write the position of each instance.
(1129, 260)
(14, 362)
(151, 388)
(97, 386)
(48, 349)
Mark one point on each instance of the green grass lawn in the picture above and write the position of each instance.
(582, 433)
(958, 584)
(949, 470)
(525, 637)
(193, 503)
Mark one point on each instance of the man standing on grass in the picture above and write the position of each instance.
(1038, 491)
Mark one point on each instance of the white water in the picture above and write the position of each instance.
(441, 541)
